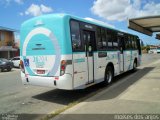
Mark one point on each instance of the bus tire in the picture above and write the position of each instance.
(108, 75)
(134, 65)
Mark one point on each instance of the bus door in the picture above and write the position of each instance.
(89, 40)
(121, 55)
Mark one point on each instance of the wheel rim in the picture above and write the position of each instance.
(108, 76)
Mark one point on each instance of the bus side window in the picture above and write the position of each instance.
(115, 41)
(99, 40)
(129, 42)
(109, 39)
(104, 41)
(135, 43)
(75, 36)
(121, 45)
(126, 42)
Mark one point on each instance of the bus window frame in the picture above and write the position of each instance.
(109, 32)
(115, 39)
(121, 45)
(82, 42)
(103, 48)
(112, 32)
(83, 28)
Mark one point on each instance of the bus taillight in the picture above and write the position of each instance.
(22, 66)
(63, 67)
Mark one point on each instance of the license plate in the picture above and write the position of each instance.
(40, 71)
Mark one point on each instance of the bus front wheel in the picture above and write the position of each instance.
(108, 75)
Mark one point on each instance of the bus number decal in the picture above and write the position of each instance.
(40, 61)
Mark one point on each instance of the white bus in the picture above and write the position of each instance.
(67, 52)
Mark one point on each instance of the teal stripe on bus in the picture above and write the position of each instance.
(79, 60)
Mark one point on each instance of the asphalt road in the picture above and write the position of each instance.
(16, 98)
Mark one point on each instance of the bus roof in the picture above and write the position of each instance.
(96, 23)
(66, 16)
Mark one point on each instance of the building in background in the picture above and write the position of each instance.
(154, 49)
(7, 43)
(17, 46)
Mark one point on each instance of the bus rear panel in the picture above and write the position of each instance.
(44, 51)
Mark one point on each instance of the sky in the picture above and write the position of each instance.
(111, 12)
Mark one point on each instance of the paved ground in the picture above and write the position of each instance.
(16, 98)
(138, 93)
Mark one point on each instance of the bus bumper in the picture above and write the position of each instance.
(63, 82)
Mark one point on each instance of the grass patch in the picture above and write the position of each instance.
(57, 112)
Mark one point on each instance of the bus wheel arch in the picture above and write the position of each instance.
(109, 73)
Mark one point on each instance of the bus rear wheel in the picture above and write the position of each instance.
(134, 65)
(108, 75)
